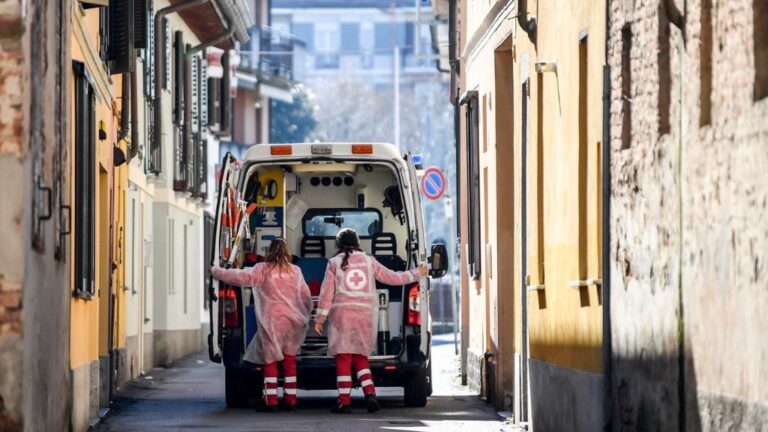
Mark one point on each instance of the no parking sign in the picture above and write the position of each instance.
(433, 183)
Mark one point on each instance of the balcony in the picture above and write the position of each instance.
(272, 55)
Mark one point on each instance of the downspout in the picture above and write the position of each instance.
(455, 70)
(125, 114)
(160, 71)
(608, 405)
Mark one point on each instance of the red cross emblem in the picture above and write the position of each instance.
(356, 280)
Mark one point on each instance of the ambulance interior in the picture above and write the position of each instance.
(308, 204)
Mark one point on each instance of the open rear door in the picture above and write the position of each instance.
(227, 179)
(419, 235)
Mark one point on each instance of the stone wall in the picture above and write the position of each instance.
(688, 230)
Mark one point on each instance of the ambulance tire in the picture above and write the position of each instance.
(416, 389)
(236, 393)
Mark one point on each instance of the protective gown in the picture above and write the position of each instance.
(282, 306)
(349, 301)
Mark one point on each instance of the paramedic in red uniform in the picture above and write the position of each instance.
(282, 306)
(349, 302)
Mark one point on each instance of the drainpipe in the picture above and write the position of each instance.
(606, 234)
(125, 114)
(134, 149)
(160, 71)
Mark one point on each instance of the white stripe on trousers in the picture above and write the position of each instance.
(362, 372)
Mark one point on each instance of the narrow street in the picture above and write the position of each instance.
(190, 395)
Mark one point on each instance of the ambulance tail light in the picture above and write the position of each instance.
(414, 306)
(362, 149)
(229, 307)
(281, 150)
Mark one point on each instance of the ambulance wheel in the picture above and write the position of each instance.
(234, 389)
(416, 389)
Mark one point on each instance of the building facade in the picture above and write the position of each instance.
(89, 177)
(688, 197)
(531, 97)
(183, 111)
(35, 258)
(634, 125)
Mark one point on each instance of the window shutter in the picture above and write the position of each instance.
(140, 8)
(178, 78)
(121, 35)
(167, 59)
(195, 92)
(225, 97)
(203, 95)
(149, 57)
(214, 102)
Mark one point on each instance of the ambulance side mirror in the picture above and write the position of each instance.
(438, 261)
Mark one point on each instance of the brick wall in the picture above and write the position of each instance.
(688, 231)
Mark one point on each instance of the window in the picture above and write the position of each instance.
(85, 182)
(328, 222)
(538, 255)
(171, 257)
(327, 46)
(383, 38)
(350, 38)
(760, 31)
(626, 87)
(473, 183)
(705, 74)
(582, 162)
(185, 269)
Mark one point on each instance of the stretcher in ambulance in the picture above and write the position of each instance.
(306, 193)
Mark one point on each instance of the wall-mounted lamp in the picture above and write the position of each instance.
(542, 67)
(102, 131)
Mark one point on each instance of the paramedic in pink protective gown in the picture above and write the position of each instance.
(349, 302)
(282, 306)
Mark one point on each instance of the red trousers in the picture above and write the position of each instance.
(289, 386)
(344, 363)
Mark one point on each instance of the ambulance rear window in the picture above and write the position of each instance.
(328, 222)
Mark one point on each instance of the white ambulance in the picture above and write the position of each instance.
(306, 193)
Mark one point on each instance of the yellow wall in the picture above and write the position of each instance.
(565, 323)
(88, 325)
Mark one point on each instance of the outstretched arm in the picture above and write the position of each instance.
(389, 277)
(249, 277)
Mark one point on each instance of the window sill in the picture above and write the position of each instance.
(82, 295)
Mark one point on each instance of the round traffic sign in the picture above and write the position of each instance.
(433, 183)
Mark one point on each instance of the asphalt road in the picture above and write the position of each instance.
(189, 395)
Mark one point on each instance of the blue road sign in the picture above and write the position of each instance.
(433, 183)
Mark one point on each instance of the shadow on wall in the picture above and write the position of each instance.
(649, 394)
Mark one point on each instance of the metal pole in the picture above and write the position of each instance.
(396, 74)
(417, 43)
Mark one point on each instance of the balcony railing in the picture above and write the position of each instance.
(270, 53)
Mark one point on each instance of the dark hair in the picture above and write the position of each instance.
(347, 242)
(278, 254)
